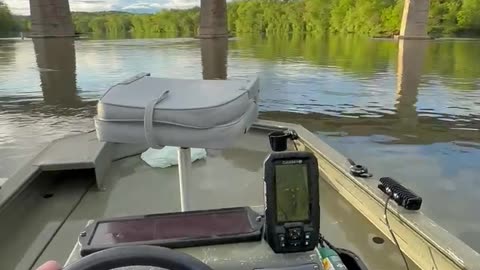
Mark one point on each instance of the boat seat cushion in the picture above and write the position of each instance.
(177, 112)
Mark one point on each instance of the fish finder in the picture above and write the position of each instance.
(292, 214)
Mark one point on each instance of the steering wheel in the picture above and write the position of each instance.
(138, 256)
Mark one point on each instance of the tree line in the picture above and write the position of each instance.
(179, 22)
(367, 17)
(7, 22)
(10, 24)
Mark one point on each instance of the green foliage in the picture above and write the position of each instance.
(250, 17)
(273, 17)
(469, 15)
(81, 22)
(232, 15)
(341, 9)
(7, 22)
(317, 15)
(117, 24)
(367, 17)
(392, 18)
(443, 17)
(97, 24)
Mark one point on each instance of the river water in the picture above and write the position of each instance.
(409, 110)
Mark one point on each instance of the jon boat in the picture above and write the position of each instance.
(46, 205)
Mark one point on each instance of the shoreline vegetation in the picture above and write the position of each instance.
(374, 18)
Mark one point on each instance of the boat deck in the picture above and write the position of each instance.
(44, 221)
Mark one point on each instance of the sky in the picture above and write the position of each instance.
(22, 7)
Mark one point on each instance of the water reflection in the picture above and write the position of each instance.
(214, 58)
(7, 53)
(386, 129)
(346, 85)
(39, 99)
(57, 68)
(411, 55)
(454, 64)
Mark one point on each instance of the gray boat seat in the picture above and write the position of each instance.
(177, 112)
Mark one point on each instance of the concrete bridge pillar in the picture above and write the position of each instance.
(213, 19)
(214, 58)
(414, 19)
(51, 18)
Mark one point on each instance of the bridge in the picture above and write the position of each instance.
(52, 18)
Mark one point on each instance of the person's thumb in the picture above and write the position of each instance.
(50, 265)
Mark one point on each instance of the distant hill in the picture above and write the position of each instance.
(27, 17)
(141, 10)
(113, 12)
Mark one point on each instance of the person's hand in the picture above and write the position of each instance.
(50, 265)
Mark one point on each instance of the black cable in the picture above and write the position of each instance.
(352, 163)
(321, 244)
(393, 235)
(325, 241)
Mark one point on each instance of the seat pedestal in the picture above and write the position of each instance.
(184, 175)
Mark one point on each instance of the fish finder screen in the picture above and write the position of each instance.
(292, 192)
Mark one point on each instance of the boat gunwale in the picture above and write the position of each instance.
(449, 246)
